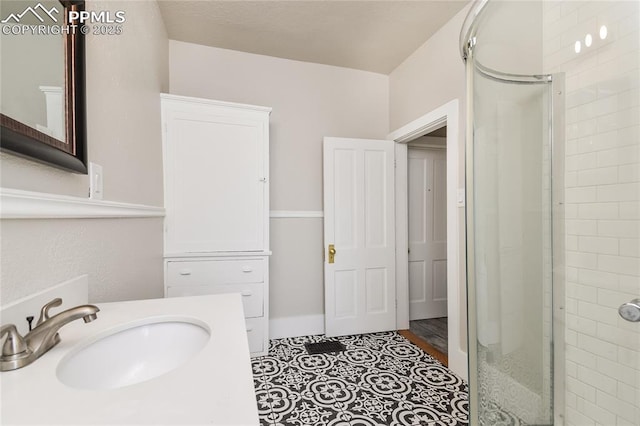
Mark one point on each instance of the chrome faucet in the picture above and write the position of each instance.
(19, 351)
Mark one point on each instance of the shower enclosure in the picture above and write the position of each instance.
(553, 211)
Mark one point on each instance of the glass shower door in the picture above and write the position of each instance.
(512, 249)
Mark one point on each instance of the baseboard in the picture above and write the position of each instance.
(306, 325)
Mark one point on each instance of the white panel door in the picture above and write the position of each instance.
(359, 220)
(427, 189)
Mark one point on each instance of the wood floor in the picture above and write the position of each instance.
(433, 331)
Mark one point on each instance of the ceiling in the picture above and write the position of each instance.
(367, 35)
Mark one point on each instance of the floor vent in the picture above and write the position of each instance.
(329, 346)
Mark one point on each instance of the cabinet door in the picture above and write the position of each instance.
(216, 173)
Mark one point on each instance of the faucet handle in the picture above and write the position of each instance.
(44, 312)
(14, 344)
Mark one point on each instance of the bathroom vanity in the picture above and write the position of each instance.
(211, 383)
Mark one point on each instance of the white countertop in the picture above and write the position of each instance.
(215, 387)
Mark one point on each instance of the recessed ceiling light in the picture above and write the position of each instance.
(578, 46)
(603, 32)
(588, 40)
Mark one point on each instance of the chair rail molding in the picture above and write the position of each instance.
(281, 214)
(19, 204)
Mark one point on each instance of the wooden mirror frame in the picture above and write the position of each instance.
(25, 141)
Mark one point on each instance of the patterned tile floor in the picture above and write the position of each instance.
(381, 379)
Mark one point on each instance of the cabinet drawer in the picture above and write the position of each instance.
(215, 272)
(255, 334)
(252, 294)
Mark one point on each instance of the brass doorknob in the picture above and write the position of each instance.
(332, 253)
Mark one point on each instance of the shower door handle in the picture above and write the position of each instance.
(630, 310)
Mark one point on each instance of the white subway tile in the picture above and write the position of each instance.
(619, 264)
(597, 380)
(628, 393)
(601, 176)
(615, 370)
(581, 325)
(581, 389)
(599, 245)
(618, 66)
(629, 173)
(589, 9)
(598, 211)
(571, 243)
(570, 399)
(630, 247)
(619, 192)
(572, 368)
(601, 415)
(616, 11)
(597, 347)
(598, 313)
(628, 136)
(571, 337)
(624, 45)
(581, 161)
(629, 284)
(618, 337)
(557, 27)
(572, 274)
(629, 99)
(571, 115)
(598, 108)
(622, 422)
(570, 211)
(618, 84)
(581, 260)
(613, 298)
(571, 178)
(581, 96)
(629, 356)
(613, 121)
(629, 23)
(581, 357)
(618, 156)
(587, 194)
(577, 418)
(612, 404)
(582, 227)
(617, 228)
(598, 278)
(630, 210)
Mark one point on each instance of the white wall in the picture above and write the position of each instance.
(123, 257)
(602, 182)
(432, 76)
(309, 101)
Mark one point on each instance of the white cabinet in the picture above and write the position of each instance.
(216, 171)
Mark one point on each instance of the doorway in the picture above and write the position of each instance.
(445, 115)
(427, 237)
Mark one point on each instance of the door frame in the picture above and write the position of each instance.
(456, 284)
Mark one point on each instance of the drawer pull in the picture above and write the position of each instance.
(247, 269)
(249, 329)
(185, 272)
(247, 293)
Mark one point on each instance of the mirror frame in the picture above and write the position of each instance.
(25, 141)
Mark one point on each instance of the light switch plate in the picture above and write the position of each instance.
(96, 181)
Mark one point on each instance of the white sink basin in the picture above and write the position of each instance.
(132, 354)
